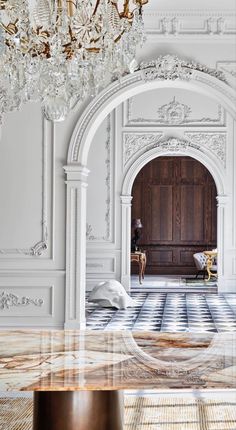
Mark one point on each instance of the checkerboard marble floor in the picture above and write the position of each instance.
(178, 312)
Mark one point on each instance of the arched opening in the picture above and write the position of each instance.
(175, 199)
(76, 178)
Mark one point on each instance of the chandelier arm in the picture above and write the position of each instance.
(96, 7)
(10, 28)
(71, 7)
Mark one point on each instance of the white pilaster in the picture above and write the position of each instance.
(76, 246)
(221, 232)
(125, 240)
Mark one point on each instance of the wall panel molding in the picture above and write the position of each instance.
(41, 245)
(169, 114)
(90, 231)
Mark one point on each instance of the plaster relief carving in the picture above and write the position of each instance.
(170, 67)
(135, 142)
(39, 248)
(8, 300)
(89, 228)
(89, 232)
(174, 144)
(167, 67)
(215, 142)
(174, 113)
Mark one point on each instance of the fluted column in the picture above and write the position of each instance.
(125, 240)
(76, 246)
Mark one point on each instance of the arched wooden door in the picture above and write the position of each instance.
(175, 197)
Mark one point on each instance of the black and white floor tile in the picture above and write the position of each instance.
(179, 312)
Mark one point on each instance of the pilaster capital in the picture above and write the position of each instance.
(222, 200)
(76, 172)
(126, 200)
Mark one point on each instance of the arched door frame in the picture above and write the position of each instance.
(175, 147)
(173, 73)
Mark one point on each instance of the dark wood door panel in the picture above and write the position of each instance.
(175, 197)
(192, 213)
(160, 228)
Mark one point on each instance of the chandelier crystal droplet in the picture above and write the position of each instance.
(59, 52)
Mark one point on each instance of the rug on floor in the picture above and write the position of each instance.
(142, 413)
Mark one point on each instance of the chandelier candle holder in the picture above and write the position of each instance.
(59, 52)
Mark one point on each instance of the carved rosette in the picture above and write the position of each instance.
(215, 142)
(174, 112)
(8, 300)
(134, 142)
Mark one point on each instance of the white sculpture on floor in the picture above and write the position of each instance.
(111, 294)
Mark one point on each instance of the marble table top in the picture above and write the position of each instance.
(60, 360)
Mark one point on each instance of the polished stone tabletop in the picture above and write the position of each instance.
(60, 360)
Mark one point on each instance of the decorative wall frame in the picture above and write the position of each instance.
(91, 236)
(172, 113)
(41, 245)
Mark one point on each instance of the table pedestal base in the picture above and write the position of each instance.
(78, 410)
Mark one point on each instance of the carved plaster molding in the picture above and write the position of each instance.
(89, 228)
(215, 142)
(175, 144)
(174, 113)
(40, 246)
(8, 300)
(137, 142)
(170, 67)
(229, 69)
(164, 68)
(187, 23)
(114, 89)
(216, 87)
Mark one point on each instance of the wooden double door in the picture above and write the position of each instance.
(175, 197)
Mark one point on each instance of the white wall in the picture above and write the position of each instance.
(33, 153)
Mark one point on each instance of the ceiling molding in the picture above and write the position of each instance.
(185, 23)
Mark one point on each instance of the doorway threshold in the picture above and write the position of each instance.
(173, 284)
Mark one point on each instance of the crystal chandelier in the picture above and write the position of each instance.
(58, 52)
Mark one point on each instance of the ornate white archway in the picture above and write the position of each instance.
(166, 72)
(174, 147)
